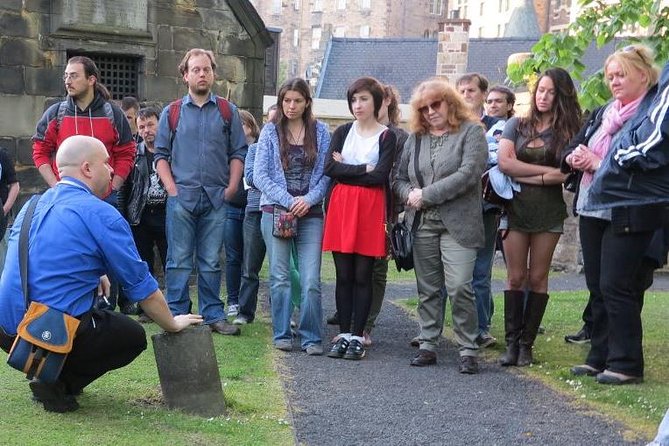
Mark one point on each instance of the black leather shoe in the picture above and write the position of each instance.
(333, 320)
(338, 349)
(222, 327)
(355, 350)
(469, 365)
(130, 309)
(582, 337)
(606, 378)
(424, 358)
(53, 396)
(584, 370)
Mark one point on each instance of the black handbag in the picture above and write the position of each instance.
(489, 193)
(401, 246)
(401, 236)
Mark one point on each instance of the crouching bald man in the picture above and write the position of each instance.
(74, 239)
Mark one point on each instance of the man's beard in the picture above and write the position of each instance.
(201, 90)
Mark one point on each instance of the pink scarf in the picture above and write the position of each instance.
(615, 116)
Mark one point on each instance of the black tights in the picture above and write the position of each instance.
(354, 290)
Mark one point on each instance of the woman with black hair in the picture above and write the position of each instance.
(360, 158)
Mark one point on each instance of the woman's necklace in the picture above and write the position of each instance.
(293, 140)
(437, 141)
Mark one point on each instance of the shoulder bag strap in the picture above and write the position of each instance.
(23, 246)
(419, 177)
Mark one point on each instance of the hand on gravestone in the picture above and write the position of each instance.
(186, 320)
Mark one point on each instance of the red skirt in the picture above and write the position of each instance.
(355, 221)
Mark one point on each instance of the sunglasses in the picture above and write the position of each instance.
(635, 50)
(434, 106)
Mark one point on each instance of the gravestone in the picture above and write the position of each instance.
(188, 371)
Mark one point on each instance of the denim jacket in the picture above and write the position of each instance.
(268, 174)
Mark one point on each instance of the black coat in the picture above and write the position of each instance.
(636, 170)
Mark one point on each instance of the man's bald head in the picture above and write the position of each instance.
(77, 149)
(85, 158)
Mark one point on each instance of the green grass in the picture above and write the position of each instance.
(124, 406)
(639, 407)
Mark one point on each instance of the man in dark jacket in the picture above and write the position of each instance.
(145, 197)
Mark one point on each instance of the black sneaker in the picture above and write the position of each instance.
(582, 337)
(338, 349)
(355, 350)
(469, 365)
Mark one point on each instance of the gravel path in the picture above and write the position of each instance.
(383, 401)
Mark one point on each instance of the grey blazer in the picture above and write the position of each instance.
(454, 184)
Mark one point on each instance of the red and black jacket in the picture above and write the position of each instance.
(101, 119)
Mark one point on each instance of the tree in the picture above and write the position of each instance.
(599, 22)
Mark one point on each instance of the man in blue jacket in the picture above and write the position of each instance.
(74, 239)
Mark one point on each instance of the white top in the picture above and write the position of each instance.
(360, 150)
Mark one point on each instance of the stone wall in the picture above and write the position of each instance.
(37, 34)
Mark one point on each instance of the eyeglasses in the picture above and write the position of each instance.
(635, 50)
(72, 76)
(435, 106)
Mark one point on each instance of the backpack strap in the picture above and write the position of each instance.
(174, 113)
(419, 177)
(60, 112)
(224, 109)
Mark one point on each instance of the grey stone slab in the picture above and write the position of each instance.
(18, 25)
(44, 81)
(15, 5)
(37, 5)
(222, 20)
(185, 39)
(165, 37)
(188, 371)
(168, 62)
(164, 89)
(179, 16)
(11, 80)
(16, 52)
(24, 152)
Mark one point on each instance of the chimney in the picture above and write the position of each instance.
(453, 46)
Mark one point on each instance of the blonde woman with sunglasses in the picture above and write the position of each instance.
(441, 187)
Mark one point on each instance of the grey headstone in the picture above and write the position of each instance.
(188, 371)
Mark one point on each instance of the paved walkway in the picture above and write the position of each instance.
(383, 401)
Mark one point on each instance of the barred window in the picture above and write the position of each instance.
(119, 73)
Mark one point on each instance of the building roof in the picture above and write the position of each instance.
(404, 62)
(523, 22)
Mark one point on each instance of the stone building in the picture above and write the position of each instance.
(307, 26)
(137, 45)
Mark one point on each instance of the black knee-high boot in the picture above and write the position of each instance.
(534, 313)
(513, 325)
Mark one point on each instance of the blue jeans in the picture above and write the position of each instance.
(254, 254)
(234, 246)
(188, 232)
(309, 242)
(483, 270)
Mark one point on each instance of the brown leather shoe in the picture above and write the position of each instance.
(424, 358)
(222, 327)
